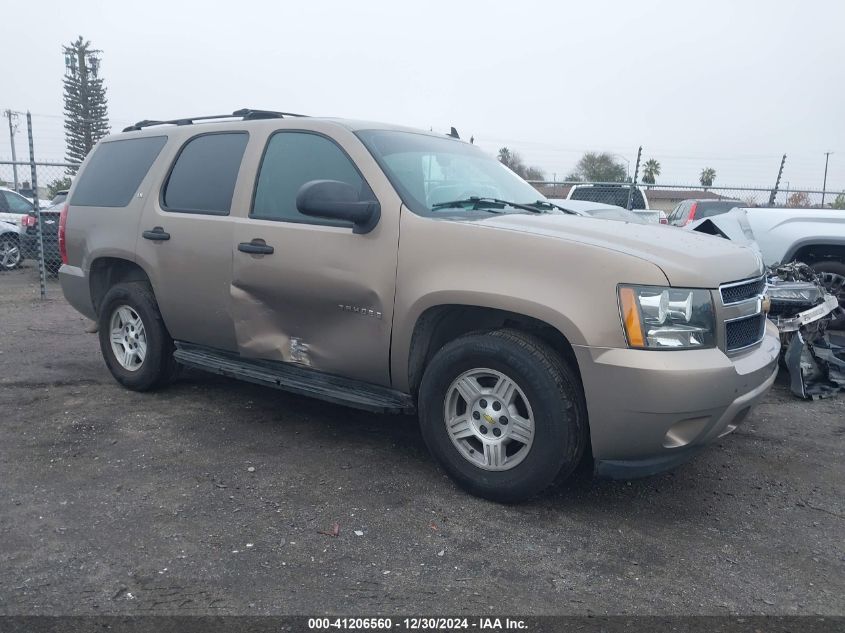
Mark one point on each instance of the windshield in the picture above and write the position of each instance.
(429, 171)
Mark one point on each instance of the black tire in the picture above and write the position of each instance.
(556, 399)
(158, 367)
(834, 268)
(10, 241)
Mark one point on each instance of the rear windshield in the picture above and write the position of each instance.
(115, 171)
(717, 207)
(609, 195)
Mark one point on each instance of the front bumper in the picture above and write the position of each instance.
(653, 410)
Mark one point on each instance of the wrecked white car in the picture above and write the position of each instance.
(805, 295)
(815, 237)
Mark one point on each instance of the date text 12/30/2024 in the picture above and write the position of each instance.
(418, 624)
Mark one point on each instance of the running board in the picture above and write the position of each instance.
(296, 379)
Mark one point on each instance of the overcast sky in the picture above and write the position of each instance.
(732, 85)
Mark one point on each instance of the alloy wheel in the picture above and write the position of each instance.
(489, 419)
(128, 338)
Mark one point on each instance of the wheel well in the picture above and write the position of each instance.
(107, 271)
(815, 253)
(439, 325)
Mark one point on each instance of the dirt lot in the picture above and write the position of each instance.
(210, 497)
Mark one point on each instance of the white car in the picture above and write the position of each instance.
(599, 210)
(14, 208)
(10, 246)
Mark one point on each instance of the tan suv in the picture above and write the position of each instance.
(396, 270)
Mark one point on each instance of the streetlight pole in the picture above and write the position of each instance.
(824, 184)
(12, 129)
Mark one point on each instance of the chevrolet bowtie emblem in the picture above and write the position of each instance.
(489, 418)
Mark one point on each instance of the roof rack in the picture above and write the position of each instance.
(245, 114)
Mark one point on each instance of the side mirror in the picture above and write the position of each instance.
(336, 200)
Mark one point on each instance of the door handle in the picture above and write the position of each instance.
(157, 234)
(256, 247)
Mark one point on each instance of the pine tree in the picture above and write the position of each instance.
(86, 107)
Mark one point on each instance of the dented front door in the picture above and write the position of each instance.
(308, 291)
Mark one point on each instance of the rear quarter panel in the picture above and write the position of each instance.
(95, 232)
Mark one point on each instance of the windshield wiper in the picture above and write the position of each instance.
(477, 201)
(545, 204)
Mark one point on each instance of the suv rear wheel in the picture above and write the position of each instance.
(135, 344)
(503, 414)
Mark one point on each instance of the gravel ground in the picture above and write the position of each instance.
(213, 496)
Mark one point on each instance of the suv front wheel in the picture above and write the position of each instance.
(135, 344)
(503, 414)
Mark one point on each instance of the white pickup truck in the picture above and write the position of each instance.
(617, 194)
(813, 236)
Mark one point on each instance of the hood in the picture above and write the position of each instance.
(688, 259)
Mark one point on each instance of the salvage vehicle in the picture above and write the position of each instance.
(13, 206)
(598, 210)
(617, 195)
(815, 237)
(10, 246)
(396, 270)
(691, 210)
(49, 237)
(807, 316)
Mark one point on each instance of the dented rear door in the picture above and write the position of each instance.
(318, 295)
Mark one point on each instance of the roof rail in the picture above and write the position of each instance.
(245, 114)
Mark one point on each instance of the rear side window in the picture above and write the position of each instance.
(12, 203)
(292, 159)
(202, 180)
(709, 209)
(679, 215)
(115, 171)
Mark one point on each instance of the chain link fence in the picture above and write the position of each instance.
(31, 198)
(660, 197)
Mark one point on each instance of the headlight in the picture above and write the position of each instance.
(667, 318)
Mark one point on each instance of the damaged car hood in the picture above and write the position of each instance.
(687, 259)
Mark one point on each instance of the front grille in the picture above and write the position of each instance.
(742, 291)
(744, 332)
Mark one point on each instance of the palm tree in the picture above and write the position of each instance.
(650, 170)
(708, 175)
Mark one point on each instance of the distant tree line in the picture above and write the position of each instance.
(597, 167)
(514, 162)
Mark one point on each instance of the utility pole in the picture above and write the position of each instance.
(634, 179)
(777, 182)
(824, 184)
(13, 127)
